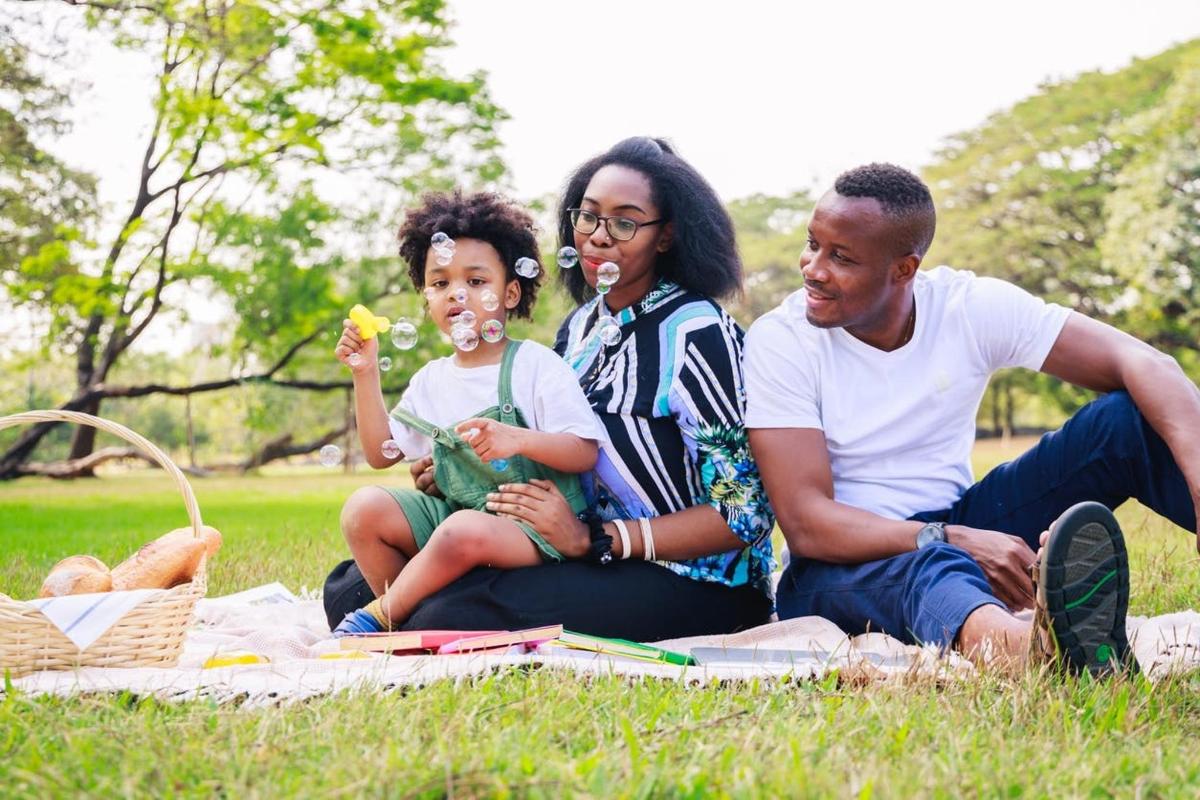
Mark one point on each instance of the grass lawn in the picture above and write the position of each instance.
(532, 733)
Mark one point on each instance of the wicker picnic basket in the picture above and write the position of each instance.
(151, 634)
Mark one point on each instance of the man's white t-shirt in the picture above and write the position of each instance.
(899, 425)
(544, 389)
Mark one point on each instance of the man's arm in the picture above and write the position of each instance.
(1096, 356)
(794, 463)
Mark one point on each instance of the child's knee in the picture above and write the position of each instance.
(462, 536)
(362, 513)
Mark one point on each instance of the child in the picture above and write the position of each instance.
(502, 412)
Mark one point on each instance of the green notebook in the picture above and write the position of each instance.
(620, 647)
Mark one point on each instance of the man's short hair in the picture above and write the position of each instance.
(903, 196)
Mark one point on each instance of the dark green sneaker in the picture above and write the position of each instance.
(1083, 592)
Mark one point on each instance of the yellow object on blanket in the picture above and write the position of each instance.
(368, 324)
(235, 658)
(339, 655)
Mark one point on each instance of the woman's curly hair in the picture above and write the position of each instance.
(486, 216)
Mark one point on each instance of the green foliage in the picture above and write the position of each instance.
(772, 232)
(279, 129)
(1085, 194)
(43, 203)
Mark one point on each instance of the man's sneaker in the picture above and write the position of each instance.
(357, 622)
(1082, 591)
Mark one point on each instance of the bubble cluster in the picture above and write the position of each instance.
(390, 448)
(607, 274)
(443, 248)
(385, 364)
(404, 334)
(527, 267)
(465, 318)
(464, 338)
(568, 257)
(492, 330)
(330, 455)
(489, 301)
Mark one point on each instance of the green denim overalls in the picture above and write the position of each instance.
(466, 480)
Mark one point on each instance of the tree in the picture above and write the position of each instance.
(257, 103)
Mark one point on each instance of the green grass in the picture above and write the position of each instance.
(538, 733)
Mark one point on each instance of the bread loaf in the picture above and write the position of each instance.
(77, 575)
(169, 560)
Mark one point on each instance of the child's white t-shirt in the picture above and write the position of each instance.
(899, 425)
(544, 388)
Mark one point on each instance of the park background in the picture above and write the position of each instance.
(192, 194)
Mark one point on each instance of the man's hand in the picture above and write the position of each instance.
(1005, 561)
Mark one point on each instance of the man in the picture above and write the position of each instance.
(862, 390)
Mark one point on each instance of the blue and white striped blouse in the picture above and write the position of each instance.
(671, 400)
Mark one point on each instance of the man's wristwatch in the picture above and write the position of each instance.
(931, 533)
(600, 549)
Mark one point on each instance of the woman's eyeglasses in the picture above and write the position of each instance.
(620, 228)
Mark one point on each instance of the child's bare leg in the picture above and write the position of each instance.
(379, 536)
(465, 540)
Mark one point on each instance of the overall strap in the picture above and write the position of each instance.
(408, 419)
(508, 411)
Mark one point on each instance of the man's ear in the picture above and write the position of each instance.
(666, 238)
(906, 267)
(512, 294)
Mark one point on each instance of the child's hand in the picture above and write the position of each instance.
(493, 439)
(352, 344)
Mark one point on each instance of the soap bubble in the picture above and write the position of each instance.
(492, 330)
(602, 288)
(444, 258)
(464, 338)
(385, 364)
(609, 330)
(459, 296)
(499, 464)
(404, 334)
(330, 455)
(465, 318)
(354, 359)
(607, 274)
(440, 240)
(527, 268)
(390, 448)
(489, 300)
(471, 433)
(568, 257)
(429, 292)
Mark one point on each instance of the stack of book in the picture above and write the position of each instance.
(548, 639)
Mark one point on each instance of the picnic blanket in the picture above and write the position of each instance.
(291, 631)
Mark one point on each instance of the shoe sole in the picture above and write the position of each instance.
(1085, 576)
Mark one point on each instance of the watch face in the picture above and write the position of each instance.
(930, 534)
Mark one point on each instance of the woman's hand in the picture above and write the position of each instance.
(542, 506)
(423, 476)
(491, 439)
(352, 343)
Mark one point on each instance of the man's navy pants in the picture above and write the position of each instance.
(1106, 452)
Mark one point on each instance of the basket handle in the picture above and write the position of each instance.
(54, 415)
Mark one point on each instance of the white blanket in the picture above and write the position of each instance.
(293, 635)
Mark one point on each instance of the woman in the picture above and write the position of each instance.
(660, 363)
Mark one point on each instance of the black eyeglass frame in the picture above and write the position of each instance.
(575, 213)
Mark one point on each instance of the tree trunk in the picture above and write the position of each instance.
(83, 442)
(995, 408)
(191, 435)
(1009, 413)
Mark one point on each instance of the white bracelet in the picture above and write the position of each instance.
(647, 539)
(624, 533)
